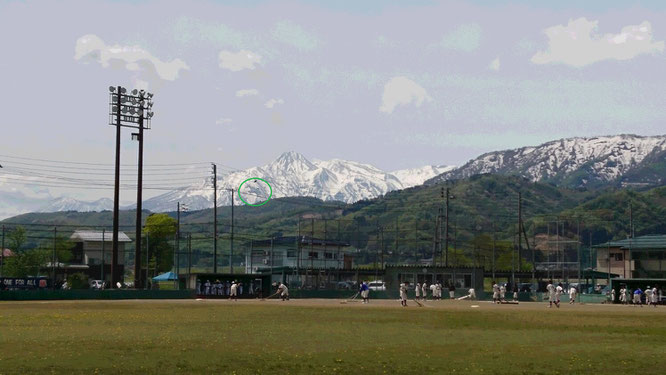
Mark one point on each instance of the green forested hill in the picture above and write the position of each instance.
(403, 222)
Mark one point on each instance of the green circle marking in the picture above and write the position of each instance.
(260, 204)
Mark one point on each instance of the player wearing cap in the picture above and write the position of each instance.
(403, 293)
(364, 290)
(572, 295)
(550, 288)
(234, 291)
(284, 292)
(496, 292)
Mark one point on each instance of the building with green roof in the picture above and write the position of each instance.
(639, 257)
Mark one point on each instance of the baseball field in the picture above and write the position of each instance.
(328, 337)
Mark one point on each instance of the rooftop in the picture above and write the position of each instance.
(638, 243)
(96, 236)
(303, 240)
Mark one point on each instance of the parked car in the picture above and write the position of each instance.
(377, 285)
(96, 284)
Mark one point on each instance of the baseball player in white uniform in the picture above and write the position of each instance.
(403, 293)
(417, 290)
(550, 288)
(234, 291)
(558, 292)
(648, 296)
(496, 292)
(623, 296)
(572, 295)
(284, 292)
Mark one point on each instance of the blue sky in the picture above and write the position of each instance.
(391, 83)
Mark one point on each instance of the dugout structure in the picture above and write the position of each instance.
(633, 284)
(462, 278)
(253, 285)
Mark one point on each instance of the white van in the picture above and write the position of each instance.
(377, 285)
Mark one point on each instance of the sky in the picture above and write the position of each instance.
(394, 84)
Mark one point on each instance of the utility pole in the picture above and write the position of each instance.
(520, 225)
(2, 252)
(53, 259)
(116, 186)
(494, 237)
(176, 263)
(631, 221)
(446, 231)
(397, 234)
(189, 255)
(272, 238)
(382, 244)
(298, 247)
(214, 218)
(103, 243)
(231, 254)
(436, 236)
(579, 251)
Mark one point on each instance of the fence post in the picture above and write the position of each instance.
(104, 239)
(2, 252)
(53, 258)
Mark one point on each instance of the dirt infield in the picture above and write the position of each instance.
(450, 305)
(379, 303)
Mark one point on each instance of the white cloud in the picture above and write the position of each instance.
(223, 121)
(91, 47)
(579, 44)
(402, 91)
(238, 61)
(246, 92)
(272, 102)
(494, 65)
(293, 34)
(466, 37)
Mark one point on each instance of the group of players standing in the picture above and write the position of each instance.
(652, 296)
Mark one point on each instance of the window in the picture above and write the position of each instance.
(291, 254)
(313, 254)
(328, 255)
(468, 281)
(617, 257)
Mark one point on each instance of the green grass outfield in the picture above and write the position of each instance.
(327, 337)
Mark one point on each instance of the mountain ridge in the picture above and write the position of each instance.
(572, 162)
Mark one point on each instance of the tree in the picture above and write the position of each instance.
(160, 228)
(26, 263)
(17, 238)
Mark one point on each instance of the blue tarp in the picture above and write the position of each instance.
(165, 277)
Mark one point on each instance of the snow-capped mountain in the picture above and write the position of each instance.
(416, 176)
(575, 162)
(292, 175)
(71, 204)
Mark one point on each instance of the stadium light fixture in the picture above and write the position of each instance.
(126, 109)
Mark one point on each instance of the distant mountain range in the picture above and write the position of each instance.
(621, 160)
(71, 204)
(292, 175)
(618, 161)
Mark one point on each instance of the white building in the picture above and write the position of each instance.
(298, 252)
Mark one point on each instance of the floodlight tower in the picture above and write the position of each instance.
(133, 110)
